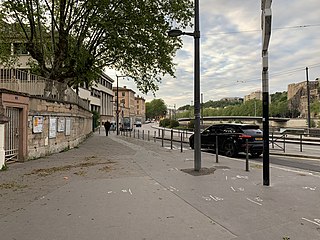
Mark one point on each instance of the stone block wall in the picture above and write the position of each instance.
(54, 127)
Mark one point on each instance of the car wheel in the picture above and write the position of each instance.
(230, 149)
(256, 154)
(191, 145)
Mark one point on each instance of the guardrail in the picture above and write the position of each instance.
(277, 141)
(24, 82)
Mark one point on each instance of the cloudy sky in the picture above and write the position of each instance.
(231, 50)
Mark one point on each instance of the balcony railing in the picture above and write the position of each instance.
(24, 82)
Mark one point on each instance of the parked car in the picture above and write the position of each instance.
(138, 124)
(232, 139)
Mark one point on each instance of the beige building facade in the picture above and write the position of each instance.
(254, 95)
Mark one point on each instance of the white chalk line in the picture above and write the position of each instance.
(254, 202)
(311, 221)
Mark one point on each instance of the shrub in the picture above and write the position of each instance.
(173, 123)
(164, 122)
(191, 124)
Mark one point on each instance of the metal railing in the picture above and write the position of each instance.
(24, 82)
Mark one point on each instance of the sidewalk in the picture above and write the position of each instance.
(123, 188)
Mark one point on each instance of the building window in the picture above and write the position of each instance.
(20, 49)
(123, 94)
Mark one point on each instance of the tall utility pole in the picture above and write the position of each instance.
(117, 105)
(202, 108)
(308, 99)
(196, 36)
(266, 16)
(197, 133)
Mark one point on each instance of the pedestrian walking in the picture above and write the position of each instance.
(107, 126)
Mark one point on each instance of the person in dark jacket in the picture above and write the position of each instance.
(107, 126)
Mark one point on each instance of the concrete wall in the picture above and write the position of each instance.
(44, 140)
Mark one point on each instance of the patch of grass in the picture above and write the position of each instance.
(4, 167)
(89, 158)
(65, 149)
(12, 185)
(105, 169)
(80, 173)
(258, 166)
(48, 171)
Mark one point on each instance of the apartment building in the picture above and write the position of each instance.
(140, 109)
(129, 105)
(100, 96)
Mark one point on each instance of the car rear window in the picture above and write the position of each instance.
(250, 127)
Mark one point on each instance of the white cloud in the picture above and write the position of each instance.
(231, 50)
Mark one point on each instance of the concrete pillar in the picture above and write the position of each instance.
(3, 120)
(2, 152)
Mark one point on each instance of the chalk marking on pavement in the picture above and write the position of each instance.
(216, 198)
(233, 189)
(187, 159)
(244, 177)
(254, 202)
(130, 191)
(241, 189)
(258, 199)
(173, 189)
(316, 223)
(310, 188)
(226, 178)
(109, 192)
(206, 198)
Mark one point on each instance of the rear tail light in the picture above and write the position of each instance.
(244, 136)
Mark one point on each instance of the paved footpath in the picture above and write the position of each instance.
(123, 188)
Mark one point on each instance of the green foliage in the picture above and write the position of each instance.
(164, 122)
(277, 108)
(96, 118)
(173, 123)
(72, 41)
(191, 124)
(4, 167)
(156, 109)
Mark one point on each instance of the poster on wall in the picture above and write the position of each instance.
(68, 126)
(61, 124)
(37, 124)
(52, 127)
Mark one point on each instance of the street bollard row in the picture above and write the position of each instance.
(181, 136)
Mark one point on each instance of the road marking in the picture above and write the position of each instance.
(316, 223)
(130, 191)
(254, 202)
(233, 189)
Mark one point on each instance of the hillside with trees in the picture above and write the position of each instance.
(278, 108)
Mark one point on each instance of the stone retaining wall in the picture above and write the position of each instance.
(54, 127)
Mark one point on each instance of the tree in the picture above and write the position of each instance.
(156, 109)
(72, 40)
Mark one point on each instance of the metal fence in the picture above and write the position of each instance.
(24, 82)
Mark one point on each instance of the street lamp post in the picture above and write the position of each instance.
(266, 16)
(196, 36)
(308, 99)
(117, 105)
